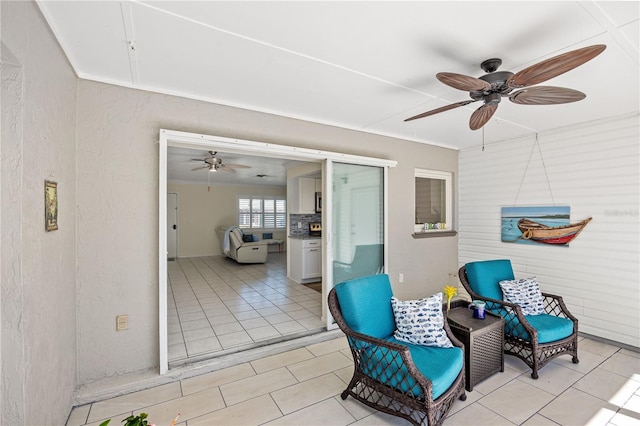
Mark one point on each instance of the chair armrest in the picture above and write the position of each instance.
(554, 305)
(370, 340)
(452, 336)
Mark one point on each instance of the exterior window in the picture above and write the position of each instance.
(433, 208)
(262, 213)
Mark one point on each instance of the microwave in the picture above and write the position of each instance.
(318, 202)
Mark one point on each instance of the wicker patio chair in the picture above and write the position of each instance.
(417, 383)
(536, 339)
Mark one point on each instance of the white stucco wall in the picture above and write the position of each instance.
(38, 267)
(118, 210)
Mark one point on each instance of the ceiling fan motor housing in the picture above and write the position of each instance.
(499, 87)
(498, 80)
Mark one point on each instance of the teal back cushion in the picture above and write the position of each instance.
(365, 304)
(484, 277)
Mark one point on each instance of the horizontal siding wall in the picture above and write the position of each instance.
(594, 169)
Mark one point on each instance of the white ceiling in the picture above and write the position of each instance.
(360, 65)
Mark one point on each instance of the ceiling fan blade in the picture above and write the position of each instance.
(555, 66)
(462, 82)
(198, 168)
(546, 95)
(441, 109)
(480, 116)
(226, 169)
(236, 166)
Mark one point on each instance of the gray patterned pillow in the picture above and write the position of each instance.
(421, 321)
(524, 292)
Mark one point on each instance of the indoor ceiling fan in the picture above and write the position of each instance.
(215, 164)
(491, 87)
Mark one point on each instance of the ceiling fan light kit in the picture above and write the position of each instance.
(214, 164)
(493, 86)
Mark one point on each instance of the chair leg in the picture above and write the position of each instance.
(534, 375)
(344, 394)
(463, 397)
(575, 360)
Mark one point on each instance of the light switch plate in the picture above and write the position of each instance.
(122, 322)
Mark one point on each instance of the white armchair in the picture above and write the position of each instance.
(237, 249)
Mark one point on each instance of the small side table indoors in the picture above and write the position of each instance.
(483, 343)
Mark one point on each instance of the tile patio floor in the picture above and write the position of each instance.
(302, 387)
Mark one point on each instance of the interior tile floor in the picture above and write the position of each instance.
(217, 306)
(302, 387)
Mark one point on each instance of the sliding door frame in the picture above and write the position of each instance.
(175, 138)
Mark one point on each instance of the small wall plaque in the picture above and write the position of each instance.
(50, 205)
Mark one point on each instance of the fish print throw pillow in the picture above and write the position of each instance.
(524, 292)
(421, 321)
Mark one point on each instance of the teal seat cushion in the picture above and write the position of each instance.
(366, 305)
(483, 277)
(440, 365)
(550, 328)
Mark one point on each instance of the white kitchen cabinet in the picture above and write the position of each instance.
(311, 259)
(303, 195)
(306, 260)
(307, 195)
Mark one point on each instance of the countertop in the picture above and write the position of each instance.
(303, 237)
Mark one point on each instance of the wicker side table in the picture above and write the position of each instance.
(483, 343)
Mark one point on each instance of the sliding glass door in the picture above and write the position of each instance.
(357, 221)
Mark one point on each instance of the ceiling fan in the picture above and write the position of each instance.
(215, 164)
(491, 87)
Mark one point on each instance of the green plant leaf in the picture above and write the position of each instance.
(138, 420)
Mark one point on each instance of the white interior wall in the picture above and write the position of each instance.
(594, 169)
(201, 211)
(38, 273)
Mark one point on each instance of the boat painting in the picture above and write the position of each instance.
(540, 225)
(550, 235)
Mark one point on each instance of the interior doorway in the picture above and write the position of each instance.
(216, 305)
(207, 142)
